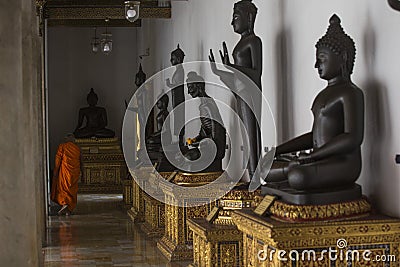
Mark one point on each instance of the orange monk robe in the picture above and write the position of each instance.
(64, 189)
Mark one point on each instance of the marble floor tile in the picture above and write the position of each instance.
(99, 233)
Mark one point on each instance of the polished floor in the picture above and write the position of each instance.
(99, 233)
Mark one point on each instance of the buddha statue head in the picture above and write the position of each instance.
(196, 85)
(140, 77)
(335, 52)
(177, 56)
(244, 16)
(162, 103)
(92, 98)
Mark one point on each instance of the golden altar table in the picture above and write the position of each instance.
(269, 242)
(103, 165)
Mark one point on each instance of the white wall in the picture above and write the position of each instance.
(289, 30)
(73, 69)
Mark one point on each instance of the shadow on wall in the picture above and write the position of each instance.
(284, 120)
(377, 127)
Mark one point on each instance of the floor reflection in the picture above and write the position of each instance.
(99, 233)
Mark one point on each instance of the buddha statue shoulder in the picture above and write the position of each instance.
(96, 120)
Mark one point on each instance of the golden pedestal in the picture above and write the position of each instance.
(140, 178)
(103, 165)
(268, 242)
(215, 244)
(127, 192)
(220, 243)
(177, 242)
(154, 210)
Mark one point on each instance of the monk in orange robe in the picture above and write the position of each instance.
(67, 171)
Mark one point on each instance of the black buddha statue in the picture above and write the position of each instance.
(178, 92)
(247, 56)
(212, 129)
(395, 4)
(334, 163)
(155, 138)
(96, 120)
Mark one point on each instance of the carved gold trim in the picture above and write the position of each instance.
(298, 213)
(195, 179)
(96, 140)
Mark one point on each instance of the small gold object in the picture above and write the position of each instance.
(263, 207)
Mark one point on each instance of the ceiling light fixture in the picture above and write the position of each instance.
(95, 42)
(132, 10)
(106, 41)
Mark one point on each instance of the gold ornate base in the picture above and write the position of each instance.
(154, 210)
(195, 179)
(236, 199)
(177, 242)
(220, 243)
(134, 216)
(140, 177)
(301, 213)
(127, 192)
(103, 165)
(268, 242)
(215, 245)
(99, 189)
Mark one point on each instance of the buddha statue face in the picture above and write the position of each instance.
(92, 98)
(328, 63)
(175, 60)
(193, 90)
(196, 89)
(335, 52)
(177, 56)
(195, 84)
(139, 81)
(162, 103)
(140, 77)
(239, 22)
(244, 14)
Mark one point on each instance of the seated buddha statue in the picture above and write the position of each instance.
(212, 131)
(96, 120)
(334, 162)
(155, 138)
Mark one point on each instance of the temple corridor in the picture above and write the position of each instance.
(99, 233)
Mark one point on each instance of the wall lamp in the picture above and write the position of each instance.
(132, 10)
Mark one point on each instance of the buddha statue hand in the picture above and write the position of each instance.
(211, 58)
(224, 55)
